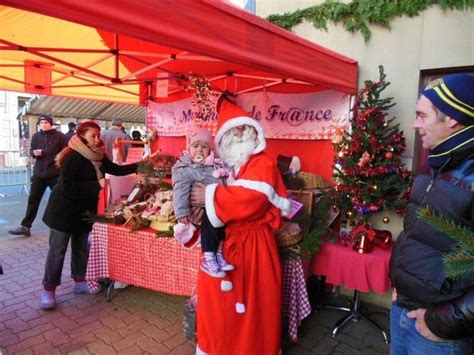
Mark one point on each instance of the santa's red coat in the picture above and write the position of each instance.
(250, 210)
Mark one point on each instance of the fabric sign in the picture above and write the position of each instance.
(283, 116)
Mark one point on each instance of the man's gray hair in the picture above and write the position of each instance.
(440, 116)
(116, 121)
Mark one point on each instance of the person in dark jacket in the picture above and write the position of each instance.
(45, 144)
(82, 167)
(72, 130)
(431, 313)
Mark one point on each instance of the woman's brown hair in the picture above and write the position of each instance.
(80, 132)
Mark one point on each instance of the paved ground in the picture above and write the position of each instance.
(137, 321)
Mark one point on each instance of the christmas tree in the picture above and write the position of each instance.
(368, 171)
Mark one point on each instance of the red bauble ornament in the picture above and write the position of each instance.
(388, 155)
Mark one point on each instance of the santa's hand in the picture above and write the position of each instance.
(184, 220)
(419, 315)
(196, 215)
(197, 195)
(102, 182)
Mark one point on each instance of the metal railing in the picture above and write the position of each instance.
(17, 176)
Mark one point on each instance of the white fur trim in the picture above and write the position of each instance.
(210, 210)
(280, 202)
(226, 285)
(199, 351)
(239, 121)
(295, 165)
(240, 307)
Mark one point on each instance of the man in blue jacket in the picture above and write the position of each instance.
(431, 313)
(45, 144)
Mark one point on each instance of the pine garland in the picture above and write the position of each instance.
(459, 262)
(358, 15)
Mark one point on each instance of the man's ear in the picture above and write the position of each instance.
(451, 122)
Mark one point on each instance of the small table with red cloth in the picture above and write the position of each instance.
(161, 264)
(343, 266)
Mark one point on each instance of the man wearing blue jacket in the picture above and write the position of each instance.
(432, 313)
(45, 144)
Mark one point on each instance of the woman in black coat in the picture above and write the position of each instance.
(82, 166)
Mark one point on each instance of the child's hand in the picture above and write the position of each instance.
(184, 220)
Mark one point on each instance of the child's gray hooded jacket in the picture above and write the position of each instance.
(184, 174)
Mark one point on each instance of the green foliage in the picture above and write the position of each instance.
(92, 218)
(358, 15)
(165, 234)
(459, 262)
(318, 224)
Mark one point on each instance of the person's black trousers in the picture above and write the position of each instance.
(38, 187)
(210, 236)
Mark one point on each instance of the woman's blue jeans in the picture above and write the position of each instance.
(406, 340)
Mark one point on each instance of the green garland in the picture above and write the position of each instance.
(459, 262)
(357, 15)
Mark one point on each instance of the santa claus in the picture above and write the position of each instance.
(242, 313)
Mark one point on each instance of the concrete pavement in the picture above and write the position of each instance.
(136, 321)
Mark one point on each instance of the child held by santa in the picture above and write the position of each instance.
(199, 164)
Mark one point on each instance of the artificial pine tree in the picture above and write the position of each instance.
(368, 170)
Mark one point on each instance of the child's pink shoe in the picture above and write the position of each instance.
(209, 266)
(223, 264)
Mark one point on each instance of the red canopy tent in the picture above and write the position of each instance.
(118, 51)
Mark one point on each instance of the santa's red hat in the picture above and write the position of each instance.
(231, 116)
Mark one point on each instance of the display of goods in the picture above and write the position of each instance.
(362, 243)
(382, 239)
(160, 225)
(288, 235)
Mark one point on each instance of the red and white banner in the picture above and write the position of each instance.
(282, 116)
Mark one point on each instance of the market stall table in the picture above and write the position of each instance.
(142, 259)
(161, 264)
(343, 266)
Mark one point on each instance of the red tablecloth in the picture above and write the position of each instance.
(141, 259)
(343, 266)
(161, 264)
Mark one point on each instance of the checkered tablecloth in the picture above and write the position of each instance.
(295, 303)
(161, 264)
(141, 259)
(97, 265)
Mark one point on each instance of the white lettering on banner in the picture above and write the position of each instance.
(283, 116)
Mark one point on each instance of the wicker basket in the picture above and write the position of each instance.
(288, 235)
(312, 181)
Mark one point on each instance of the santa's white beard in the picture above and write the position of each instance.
(236, 152)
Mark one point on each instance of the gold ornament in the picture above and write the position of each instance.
(338, 136)
(349, 214)
(385, 219)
